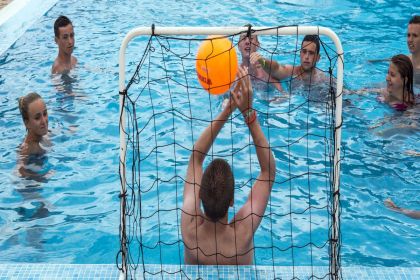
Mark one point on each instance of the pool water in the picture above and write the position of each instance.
(71, 214)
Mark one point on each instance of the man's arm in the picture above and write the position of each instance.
(260, 192)
(274, 69)
(191, 204)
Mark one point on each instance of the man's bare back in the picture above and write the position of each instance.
(208, 237)
(234, 243)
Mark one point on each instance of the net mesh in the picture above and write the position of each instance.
(166, 110)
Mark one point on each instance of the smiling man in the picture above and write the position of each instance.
(259, 78)
(306, 71)
(413, 44)
(64, 38)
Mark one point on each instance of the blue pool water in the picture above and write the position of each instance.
(71, 215)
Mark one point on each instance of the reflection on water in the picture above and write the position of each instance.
(35, 167)
(67, 91)
(265, 91)
(29, 232)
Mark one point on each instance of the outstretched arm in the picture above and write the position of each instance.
(409, 213)
(260, 192)
(201, 147)
(274, 69)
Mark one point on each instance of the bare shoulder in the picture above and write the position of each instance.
(55, 67)
(24, 150)
(243, 228)
(190, 226)
(73, 61)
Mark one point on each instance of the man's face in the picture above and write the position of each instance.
(248, 45)
(65, 39)
(308, 55)
(413, 38)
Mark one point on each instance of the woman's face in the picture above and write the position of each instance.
(37, 122)
(394, 81)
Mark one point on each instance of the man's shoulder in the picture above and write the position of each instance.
(189, 222)
(54, 67)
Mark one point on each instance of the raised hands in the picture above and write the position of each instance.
(242, 93)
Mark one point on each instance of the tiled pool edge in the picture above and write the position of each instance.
(37, 271)
(18, 16)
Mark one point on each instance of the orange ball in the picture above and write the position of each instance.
(216, 64)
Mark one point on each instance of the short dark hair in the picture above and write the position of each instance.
(415, 19)
(217, 189)
(61, 21)
(314, 39)
(405, 68)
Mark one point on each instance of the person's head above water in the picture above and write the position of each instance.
(64, 34)
(217, 189)
(413, 35)
(309, 52)
(248, 44)
(400, 77)
(34, 114)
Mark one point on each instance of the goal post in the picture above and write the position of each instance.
(194, 31)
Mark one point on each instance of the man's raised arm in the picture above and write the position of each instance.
(260, 192)
(271, 67)
(201, 147)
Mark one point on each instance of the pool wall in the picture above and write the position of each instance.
(17, 17)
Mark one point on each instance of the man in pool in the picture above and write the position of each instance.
(413, 44)
(260, 78)
(209, 238)
(305, 72)
(64, 38)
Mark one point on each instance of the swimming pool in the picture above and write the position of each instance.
(72, 216)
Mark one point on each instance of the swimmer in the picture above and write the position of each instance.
(32, 150)
(305, 72)
(248, 45)
(413, 44)
(64, 38)
(209, 238)
(35, 117)
(399, 84)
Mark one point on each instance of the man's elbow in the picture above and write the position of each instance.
(197, 157)
(269, 175)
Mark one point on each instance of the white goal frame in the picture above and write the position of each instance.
(287, 30)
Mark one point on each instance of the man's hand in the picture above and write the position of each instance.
(256, 59)
(242, 94)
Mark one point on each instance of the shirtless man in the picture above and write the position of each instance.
(208, 236)
(247, 46)
(306, 71)
(413, 43)
(64, 38)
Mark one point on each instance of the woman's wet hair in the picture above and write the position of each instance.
(24, 102)
(405, 68)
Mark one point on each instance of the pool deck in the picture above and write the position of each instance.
(3, 3)
(16, 16)
(37, 271)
